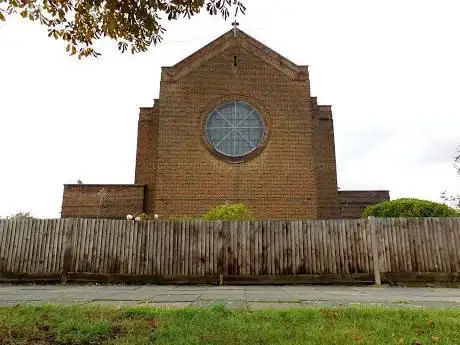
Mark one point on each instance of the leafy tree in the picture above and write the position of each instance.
(133, 24)
(409, 208)
(229, 212)
(453, 199)
(21, 215)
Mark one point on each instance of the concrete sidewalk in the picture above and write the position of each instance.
(251, 297)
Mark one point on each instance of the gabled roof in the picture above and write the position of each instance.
(245, 41)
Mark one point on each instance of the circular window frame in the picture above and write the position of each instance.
(238, 159)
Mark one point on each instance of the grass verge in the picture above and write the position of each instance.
(97, 325)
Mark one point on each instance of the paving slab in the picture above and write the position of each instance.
(231, 296)
(223, 295)
(175, 298)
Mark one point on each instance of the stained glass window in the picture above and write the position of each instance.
(235, 129)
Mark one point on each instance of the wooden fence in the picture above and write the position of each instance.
(209, 252)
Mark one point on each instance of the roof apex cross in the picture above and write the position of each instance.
(235, 26)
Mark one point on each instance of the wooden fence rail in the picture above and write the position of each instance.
(257, 250)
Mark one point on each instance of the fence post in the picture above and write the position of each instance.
(68, 249)
(375, 250)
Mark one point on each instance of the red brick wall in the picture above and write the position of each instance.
(328, 203)
(82, 201)
(285, 180)
(353, 203)
(146, 162)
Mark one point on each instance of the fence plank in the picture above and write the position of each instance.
(19, 235)
(97, 245)
(442, 244)
(79, 243)
(120, 240)
(60, 246)
(455, 236)
(435, 244)
(333, 247)
(168, 248)
(182, 248)
(296, 256)
(101, 246)
(314, 247)
(421, 251)
(220, 247)
(237, 228)
(375, 255)
(393, 245)
(207, 258)
(365, 256)
(124, 242)
(27, 260)
(292, 247)
(279, 229)
(310, 248)
(107, 259)
(41, 241)
(288, 246)
(194, 234)
(398, 239)
(229, 253)
(409, 245)
(317, 244)
(276, 248)
(50, 258)
(244, 256)
(25, 245)
(451, 243)
(246, 259)
(68, 248)
(403, 245)
(13, 244)
(432, 256)
(25, 251)
(158, 247)
(247, 237)
(411, 235)
(399, 242)
(362, 246)
(3, 242)
(191, 245)
(21, 248)
(54, 233)
(138, 244)
(175, 251)
(257, 247)
(151, 248)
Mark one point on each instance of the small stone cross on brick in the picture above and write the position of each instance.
(235, 26)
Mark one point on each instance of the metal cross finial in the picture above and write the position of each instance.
(235, 26)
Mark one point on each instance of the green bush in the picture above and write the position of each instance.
(229, 212)
(409, 208)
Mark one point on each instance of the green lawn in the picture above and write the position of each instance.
(85, 325)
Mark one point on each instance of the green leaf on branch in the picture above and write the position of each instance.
(137, 24)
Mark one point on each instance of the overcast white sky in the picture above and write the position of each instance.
(390, 69)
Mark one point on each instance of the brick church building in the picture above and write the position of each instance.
(236, 122)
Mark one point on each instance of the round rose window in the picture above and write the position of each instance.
(235, 129)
